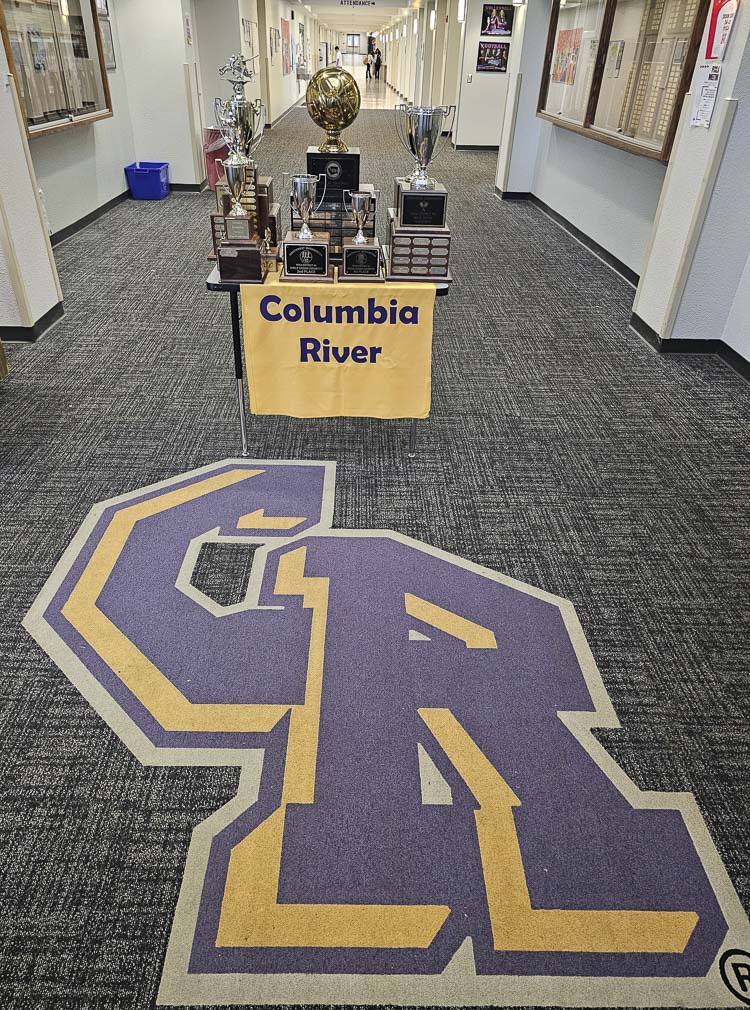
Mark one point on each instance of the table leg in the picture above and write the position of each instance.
(234, 301)
(413, 438)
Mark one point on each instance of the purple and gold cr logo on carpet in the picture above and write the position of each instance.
(424, 815)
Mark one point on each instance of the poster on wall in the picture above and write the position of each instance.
(614, 57)
(705, 90)
(493, 56)
(565, 59)
(250, 43)
(497, 19)
(108, 46)
(286, 56)
(38, 50)
(301, 50)
(723, 13)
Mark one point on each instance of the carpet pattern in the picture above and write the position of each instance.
(561, 451)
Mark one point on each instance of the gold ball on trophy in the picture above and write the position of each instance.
(333, 102)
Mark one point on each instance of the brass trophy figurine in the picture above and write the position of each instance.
(333, 102)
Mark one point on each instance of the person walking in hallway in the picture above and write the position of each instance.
(368, 67)
(378, 61)
(339, 61)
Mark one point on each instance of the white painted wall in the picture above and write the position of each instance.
(439, 53)
(736, 333)
(81, 169)
(218, 32)
(152, 40)
(516, 165)
(716, 299)
(697, 154)
(609, 194)
(28, 280)
(481, 102)
(284, 90)
(454, 55)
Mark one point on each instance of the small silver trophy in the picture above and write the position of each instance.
(303, 193)
(360, 209)
(242, 124)
(420, 128)
(306, 256)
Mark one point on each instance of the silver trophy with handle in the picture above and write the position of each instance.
(242, 124)
(420, 129)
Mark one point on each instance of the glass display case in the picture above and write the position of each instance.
(617, 70)
(55, 54)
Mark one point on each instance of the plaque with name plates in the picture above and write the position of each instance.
(274, 223)
(361, 261)
(307, 259)
(218, 232)
(417, 253)
(341, 171)
(421, 208)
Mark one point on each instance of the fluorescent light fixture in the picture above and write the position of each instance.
(64, 9)
(416, 25)
(403, 33)
(461, 14)
(432, 20)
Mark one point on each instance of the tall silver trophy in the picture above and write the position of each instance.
(242, 124)
(420, 128)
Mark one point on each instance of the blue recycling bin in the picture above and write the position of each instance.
(148, 180)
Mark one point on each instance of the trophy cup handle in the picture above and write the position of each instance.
(325, 187)
(449, 110)
(400, 128)
(343, 196)
(259, 111)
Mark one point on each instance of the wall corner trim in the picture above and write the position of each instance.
(512, 194)
(29, 334)
(687, 346)
(87, 219)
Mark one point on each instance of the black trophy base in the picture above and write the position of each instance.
(307, 259)
(361, 262)
(240, 261)
(421, 208)
(308, 279)
(341, 171)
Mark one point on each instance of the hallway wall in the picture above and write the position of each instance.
(81, 169)
(481, 100)
(610, 195)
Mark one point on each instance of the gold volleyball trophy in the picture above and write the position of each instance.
(333, 101)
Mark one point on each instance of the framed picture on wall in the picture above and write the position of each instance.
(102, 8)
(108, 46)
(286, 56)
(617, 70)
(493, 56)
(497, 19)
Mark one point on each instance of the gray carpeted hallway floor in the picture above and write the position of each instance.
(562, 451)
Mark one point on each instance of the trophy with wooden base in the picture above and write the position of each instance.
(306, 255)
(361, 256)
